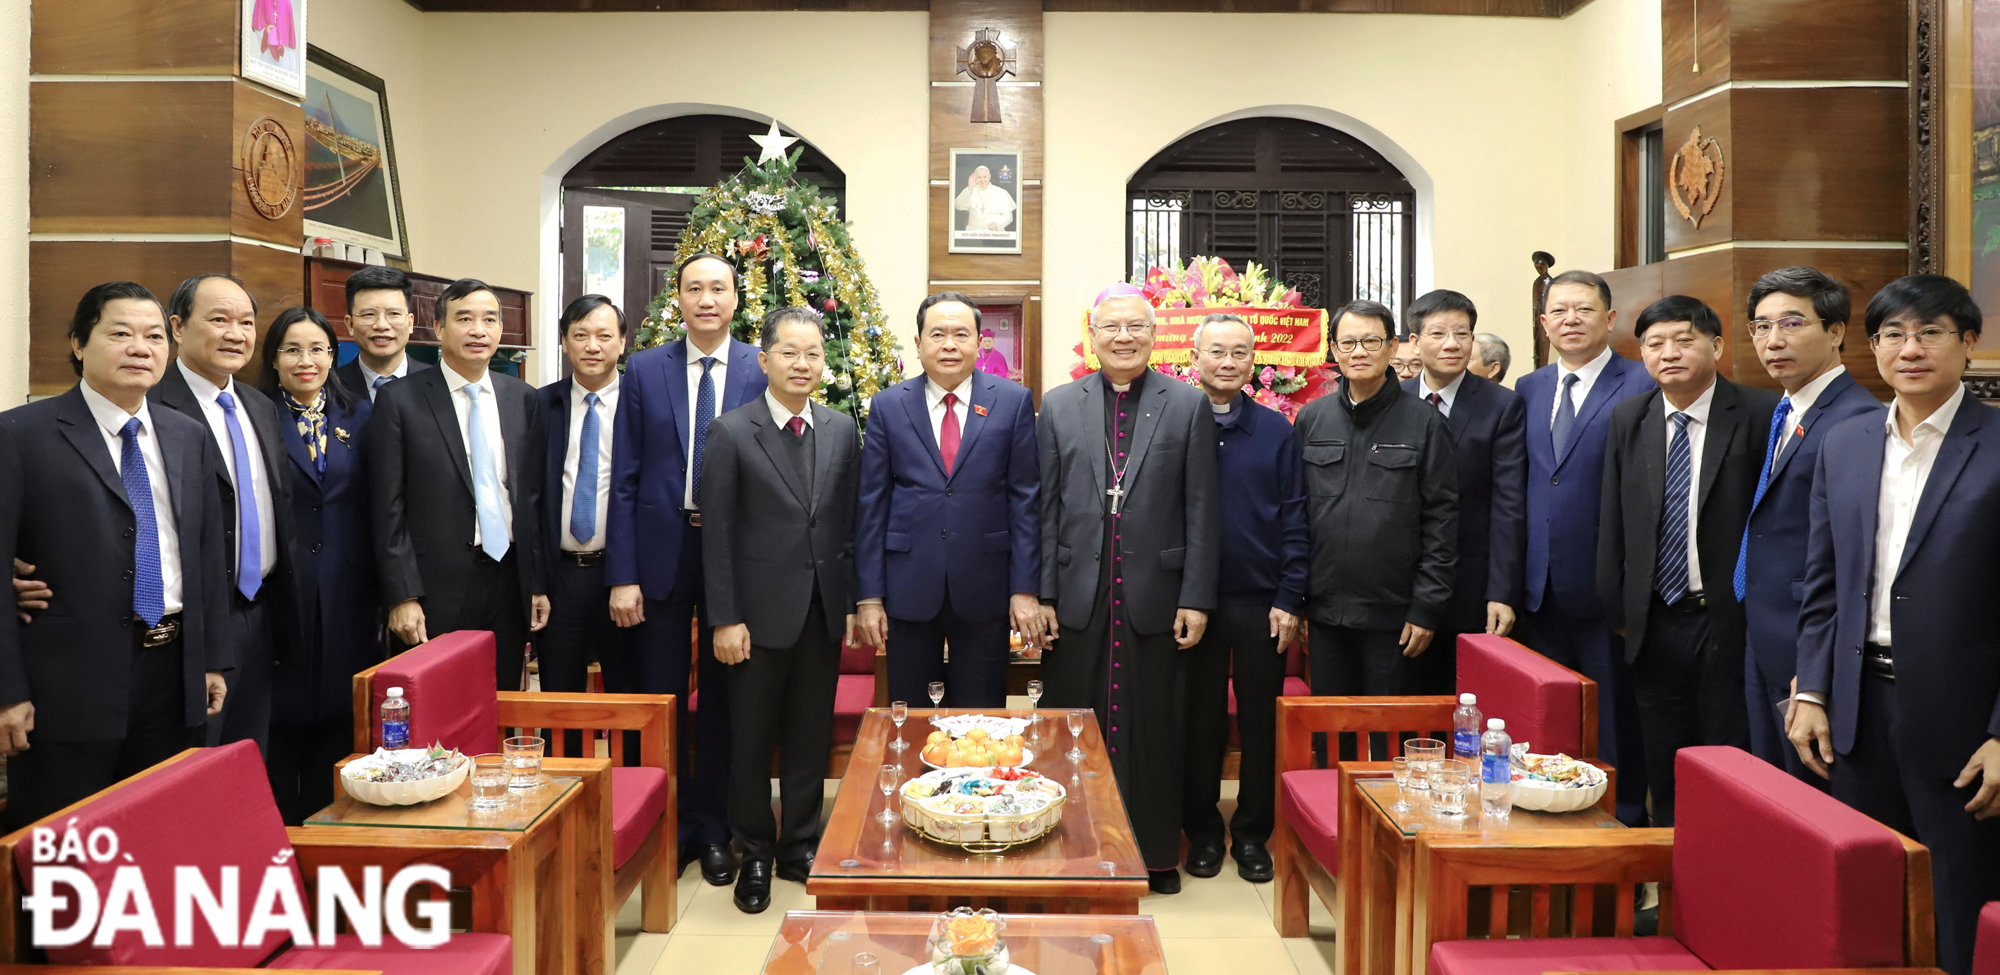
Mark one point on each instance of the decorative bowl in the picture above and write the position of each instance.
(1548, 797)
(401, 793)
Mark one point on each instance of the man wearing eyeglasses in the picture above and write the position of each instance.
(1680, 469)
(378, 316)
(1798, 323)
(1260, 596)
(1899, 675)
(1489, 426)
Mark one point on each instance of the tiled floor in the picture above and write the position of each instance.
(1212, 927)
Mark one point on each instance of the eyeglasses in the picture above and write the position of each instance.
(369, 316)
(791, 356)
(1234, 355)
(1109, 331)
(295, 353)
(1791, 324)
(1930, 337)
(1368, 343)
(1439, 335)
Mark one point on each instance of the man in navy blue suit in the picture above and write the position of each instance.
(947, 545)
(1899, 670)
(1488, 424)
(653, 560)
(1798, 323)
(1569, 405)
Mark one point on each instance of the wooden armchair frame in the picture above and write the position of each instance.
(1602, 866)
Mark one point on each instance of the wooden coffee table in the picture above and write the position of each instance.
(1046, 944)
(1088, 864)
(1377, 883)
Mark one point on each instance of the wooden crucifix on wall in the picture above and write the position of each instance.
(986, 61)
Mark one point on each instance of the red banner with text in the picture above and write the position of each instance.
(1285, 336)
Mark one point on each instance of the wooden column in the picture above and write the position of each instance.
(1802, 157)
(992, 279)
(151, 179)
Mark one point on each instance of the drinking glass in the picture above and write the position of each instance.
(1422, 752)
(1075, 719)
(937, 693)
(899, 712)
(887, 779)
(1451, 784)
(1401, 772)
(489, 782)
(1034, 701)
(524, 761)
(865, 963)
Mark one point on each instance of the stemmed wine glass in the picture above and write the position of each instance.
(899, 712)
(1401, 773)
(937, 693)
(886, 780)
(1034, 717)
(1075, 719)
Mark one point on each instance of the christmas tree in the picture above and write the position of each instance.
(791, 247)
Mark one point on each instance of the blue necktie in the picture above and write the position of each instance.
(583, 504)
(149, 591)
(704, 411)
(1672, 561)
(485, 483)
(1778, 418)
(1565, 415)
(380, 381)
(249, 534)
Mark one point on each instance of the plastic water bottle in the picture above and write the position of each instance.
(395, 720)
(1465, 724)
(1496, 772)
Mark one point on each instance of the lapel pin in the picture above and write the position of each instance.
(340, 433)
(981, 410)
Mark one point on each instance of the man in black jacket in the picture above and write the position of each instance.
(1382, 506)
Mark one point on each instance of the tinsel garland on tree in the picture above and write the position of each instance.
(790, 246)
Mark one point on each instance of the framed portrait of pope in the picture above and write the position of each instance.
(985, 201)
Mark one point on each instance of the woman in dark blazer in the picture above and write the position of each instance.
(339, 612)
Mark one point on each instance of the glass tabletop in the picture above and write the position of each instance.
(811, 942)
(453, 811)
(1381, 793)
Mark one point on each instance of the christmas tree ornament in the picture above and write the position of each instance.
(774, 144)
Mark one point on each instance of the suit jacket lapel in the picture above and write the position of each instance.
(673, 365)
(1462, 408)
(1805, 422)
(1092, 416)
(1725, 422)
(438, 394)
(742, 368)
(558, 433)
(180, 479)
(295, 447)
(80, 429)
(774, 451)
(1541, 436)
(917, 405)
(514, 437)
(823, 452)
(1952, 456)
(1609, 383)
(1653, 451)
(975, 422)
(1151, 405)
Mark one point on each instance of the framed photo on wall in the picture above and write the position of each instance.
(351, 190)
(274, 43)
(985, 201)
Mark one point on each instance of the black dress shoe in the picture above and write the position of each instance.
(718, 864)
(1253, 862)
(1166, 881)
(753, 887)
(796, 870)
(1204, 858)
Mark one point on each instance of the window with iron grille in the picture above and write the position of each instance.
(1324, 212)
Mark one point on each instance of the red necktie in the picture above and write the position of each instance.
(1437, 402)
(797, 425)
(948, 434)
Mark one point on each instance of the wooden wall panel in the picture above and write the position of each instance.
(1846, 40)
(1681, 49)
(179, 37)
(1713, 116)
(1025, 266)
(131, 157)
(1818, 163)
(1863, 271)
(288, 228)
(1020, 107)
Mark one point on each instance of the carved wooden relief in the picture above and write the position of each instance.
(270, 167)
(1695, 175)
(1927, 78)
(986, 61)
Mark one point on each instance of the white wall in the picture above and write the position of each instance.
(388, 38)
(13, 203)
(1612, 70)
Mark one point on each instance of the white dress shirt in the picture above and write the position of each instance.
(1449, 394)
(607, 408)
(934, 398)
(717, 374)
(206, 392)
(496, 443)
(368, 376)
(1906, 466)
(1802, 401)
(782, 415)
(111, 419)
(1586, 377)
(1697, 434)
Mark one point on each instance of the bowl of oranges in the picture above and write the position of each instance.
(977, 744)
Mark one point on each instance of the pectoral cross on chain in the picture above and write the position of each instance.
(1116, 494)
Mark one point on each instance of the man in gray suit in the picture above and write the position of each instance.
(780, 479)
(1130, 534)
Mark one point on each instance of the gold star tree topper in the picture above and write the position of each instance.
(774, 143)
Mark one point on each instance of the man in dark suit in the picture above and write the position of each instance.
(579, 415)
(1131, 527)
(1569, 405)
(1488, 424)
(782, 479)
(214, 322)
(455, 474)
(116, 505)
(1798, 322)
(1899, 675)
(379, 303)
(1680, 469)
(652, 552)
(950, 523)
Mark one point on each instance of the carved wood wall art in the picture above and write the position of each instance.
(271, 167)
(986, 61)
(1695, 175)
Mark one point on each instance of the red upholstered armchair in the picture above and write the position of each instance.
(211, 808)
(1761, 871)
(1544, 703)
(1986, 949)
(452, 702)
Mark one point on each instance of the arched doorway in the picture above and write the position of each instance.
(625, 203)
(1325, 212)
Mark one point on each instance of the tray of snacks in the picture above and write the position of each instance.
(978, 743)
(984, 810)
(1555, 783)
(405, 776)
